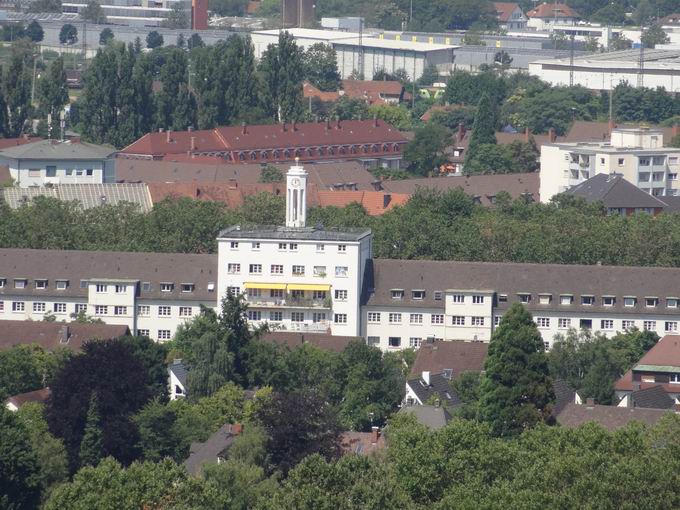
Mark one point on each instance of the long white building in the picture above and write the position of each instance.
(316, 280)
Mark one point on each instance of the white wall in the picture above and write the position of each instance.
(34, 173)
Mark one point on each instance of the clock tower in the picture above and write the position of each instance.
(296, 199)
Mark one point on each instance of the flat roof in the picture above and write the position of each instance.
(661, 59)
(303, 234)
(390, 44)
(310, 33)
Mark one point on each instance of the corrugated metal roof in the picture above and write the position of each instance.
(88, 195)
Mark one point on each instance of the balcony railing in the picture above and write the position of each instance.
(290, 303)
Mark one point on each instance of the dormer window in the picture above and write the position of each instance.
(418, 294)
(502, 298)
(166, 287)
(608, 300)
(20, 283)
(671, 302)
(438, 294)
(587, 300)
(629, 300)
(397, 293)
(187, 287)
(61, 284)
(3, 283)
(524, 297)
(566, 299)
(146, 286)
(651, 302)
(544, 299)
(41, 284)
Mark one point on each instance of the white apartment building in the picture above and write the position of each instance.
(151, 293)
(296, 278)
(409, 301)
(637, 154)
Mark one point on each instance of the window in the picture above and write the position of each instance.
(121, 289)
(651, 302)
(340, 318)
(674, 378)
(458, 298)
(649, 325)
(673, 177)
(342, 248)
(89, 172)
(587, 300)
(416, 318)
(166, 287)
(293, 246)
(606, 324)
(546, 346)
(164, 311)
(41, 284)
(543, 322)
(395, 318)
(436, 318)
(544, 299)
(320, 247)
(394, 341)
(340, 271)
(648, 378)
(254, 246)
(477, 321)
(414, 342)
(502, 298)
(275, 293)
(670, 326)
(458, 320)
(187, 287)
(39, 307)
(318, 317)
(397, 294)
(81, 308)
(62, 284)
(298, 317)
(566, 299)
(283, 246)
(608, 300)
(276, 316)
(59, 307)
(374, 317)
(497, 320)
(255, 269)
(297, 294)
(563, 323)
(233, 245)
(524, 298)
(418, 294)
(373, 341)
(477, 299)
(3, 282)
(164, 334)
(298, 270)
(621, 161)
(185, 311)
(341, 295)
(50, 171)
(18, 306)
(671, 302)
(627, 324)
(142, 332)
(101, 310)
(233, 268)
(120, 310)
(276, 269)
(320, 271)
(254, 315)
(629, 301)
(319, 294)
(437, 294)
(146, 286)
(143, 310)
(233, 291)
(101, 289)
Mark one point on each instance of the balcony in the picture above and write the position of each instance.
(308, 327)
(257, 302)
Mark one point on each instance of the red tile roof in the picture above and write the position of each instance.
(361, 443)
(375, 202)
(229, 141)
(309, 90)
(552, 11)
(504, 10)
(51, 335)
(40, 396)
(455, 354)
(374, 92)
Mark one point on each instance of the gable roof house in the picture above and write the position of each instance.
(177, 379)
(545, 16)
(510, 16)
(15, 402)
(214, 450)
(658, 368)
(55, 335)
(610, 417)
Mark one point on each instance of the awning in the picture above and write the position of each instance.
(253, 285)
(309, 286)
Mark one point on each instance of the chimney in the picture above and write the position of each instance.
(283, 127)
(64, 334)
(233, 183)
(527, 135)
(590, 401)
(190, 129)
(461, 132)
(328, 124)
(676, 130)
(551, 135)
(193, 143)
(387, 198)
(337, 122)
(375, 434)
(426, 377)
(236, 429)
(244, 130)
(167, 136)
(375, 121)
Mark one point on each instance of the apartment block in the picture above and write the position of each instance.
(637, 154)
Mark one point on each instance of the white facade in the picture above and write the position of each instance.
(637, 154)
(41, 172)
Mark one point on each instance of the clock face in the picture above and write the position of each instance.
(295, 182)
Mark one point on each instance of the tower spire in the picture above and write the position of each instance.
(296, 196)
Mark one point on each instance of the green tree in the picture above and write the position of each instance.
(181, 41)
(195, 41)
(349, 108)
(91, 446)
(34, 31)
(282, 70)
(158, 434)
(45, 6)
(20, 483)
(68, 34)
(93, 12)
(425, 152)
(653, 35)
(620, 43)
(516, 391)
(430, 75)
(53, 92)
(106, 36)
(484, 128)
(154, 40)
(321, 67)
(177, 18)
(395, 115)
(263, 209)
(25, 368)
(270, 173)
(16, 87)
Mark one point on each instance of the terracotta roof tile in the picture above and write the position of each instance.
(554, 10)
(375, 202)
(51, 335)
(504, 10)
